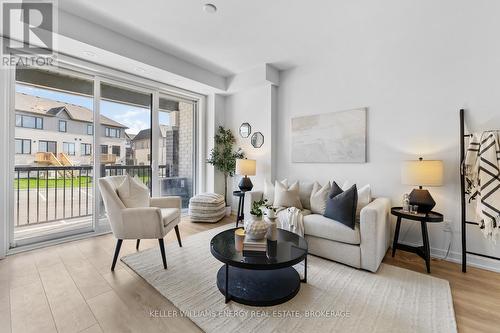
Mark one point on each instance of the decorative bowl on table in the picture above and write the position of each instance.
(256, 227)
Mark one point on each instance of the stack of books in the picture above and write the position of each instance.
(253, 247)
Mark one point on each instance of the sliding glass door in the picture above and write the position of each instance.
(71, 128)
(176, 119)
(125, 133)
(53, 181)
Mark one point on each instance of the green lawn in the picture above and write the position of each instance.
(80, 181)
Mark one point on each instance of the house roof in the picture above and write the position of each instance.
(48, 107)
(145, 134)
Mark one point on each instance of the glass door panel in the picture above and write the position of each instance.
(53, 182)
(125, 133)
(176, 147)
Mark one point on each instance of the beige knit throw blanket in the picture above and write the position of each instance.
(482, 171)
(291, 219)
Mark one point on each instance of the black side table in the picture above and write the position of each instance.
(423, 251)
(240, 216)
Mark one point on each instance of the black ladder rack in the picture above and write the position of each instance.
(463, 148)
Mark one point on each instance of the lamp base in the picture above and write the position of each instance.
(245, 184)
(423, 199)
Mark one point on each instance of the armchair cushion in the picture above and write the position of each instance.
(133, 193)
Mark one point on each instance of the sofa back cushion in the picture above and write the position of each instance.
(287, 196)
(305, 190)
(269, 190)
(341, 205)
(364, 196)
(319, 194)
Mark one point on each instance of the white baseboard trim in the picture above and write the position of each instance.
(456, 257)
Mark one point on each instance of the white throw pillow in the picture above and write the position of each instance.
(133, 193)
(364, 196)
(269, 190)
(287, 196)
(319, 196)
(305, 190)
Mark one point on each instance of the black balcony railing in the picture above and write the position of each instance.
(52, 193)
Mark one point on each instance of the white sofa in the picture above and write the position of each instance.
(364, 247)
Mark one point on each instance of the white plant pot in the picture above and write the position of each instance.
(271, 214)
(228, 210)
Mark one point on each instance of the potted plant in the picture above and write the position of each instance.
(256, 210)
(223, 157)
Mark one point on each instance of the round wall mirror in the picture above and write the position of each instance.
(245, 130)
(257, 140)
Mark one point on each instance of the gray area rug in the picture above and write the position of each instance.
(336, 298)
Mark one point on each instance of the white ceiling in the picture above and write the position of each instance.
(240, 36)
(244, 34)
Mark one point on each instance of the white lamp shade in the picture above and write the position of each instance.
(422, 173)
(245, 167)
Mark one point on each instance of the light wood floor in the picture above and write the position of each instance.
(69, 288)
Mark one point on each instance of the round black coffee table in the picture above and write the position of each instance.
(260, 280)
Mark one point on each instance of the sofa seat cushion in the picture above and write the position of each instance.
(169, 214)
(319, 226)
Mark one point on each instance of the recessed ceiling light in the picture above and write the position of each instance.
(89, 54)
(209, 8)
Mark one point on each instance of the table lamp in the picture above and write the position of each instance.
(245, 168)
(422, 173)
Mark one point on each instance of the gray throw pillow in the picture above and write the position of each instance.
(341, 205)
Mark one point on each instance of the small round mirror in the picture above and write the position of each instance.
(245, 130)
(257, 140)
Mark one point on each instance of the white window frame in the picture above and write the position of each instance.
(36, 118)
(90, 129)
(98, 74)
(67, 151)
(22, 146)
(83, 149)
(65, 126)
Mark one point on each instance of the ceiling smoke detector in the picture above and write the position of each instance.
(209, 8)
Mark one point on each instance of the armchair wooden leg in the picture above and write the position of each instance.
(162, 250)
(137, 244)
(117, 251)
(178, 235)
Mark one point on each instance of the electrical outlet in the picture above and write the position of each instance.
(447, 226)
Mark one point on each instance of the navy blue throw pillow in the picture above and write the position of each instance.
(341, 205)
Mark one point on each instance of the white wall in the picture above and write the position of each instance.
(414, 67)
(254, 106)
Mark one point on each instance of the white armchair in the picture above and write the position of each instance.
(153, 222)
